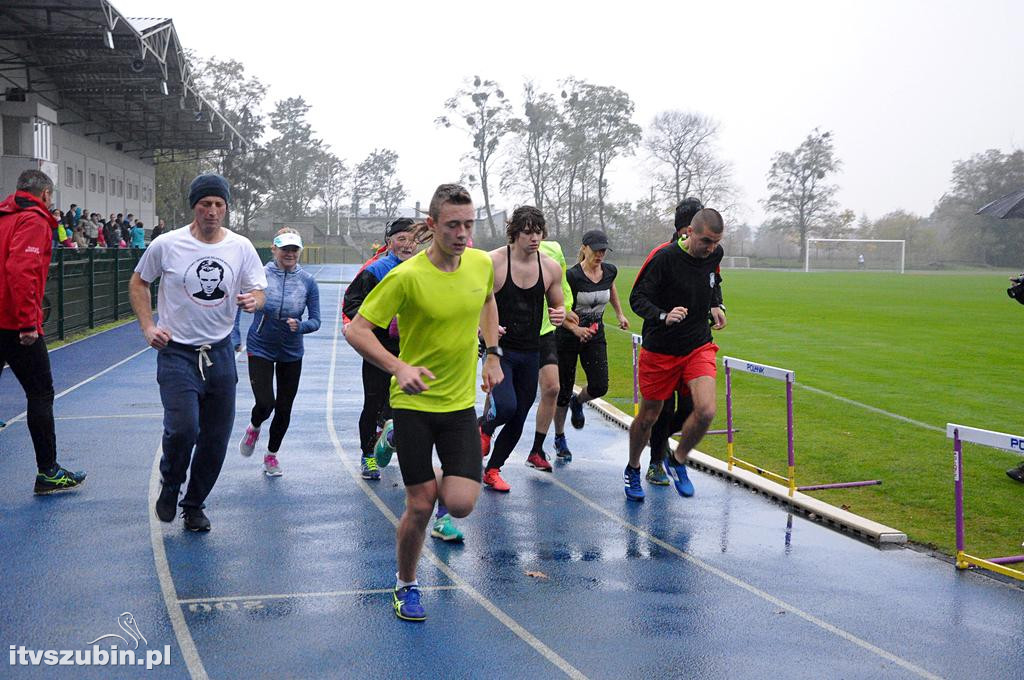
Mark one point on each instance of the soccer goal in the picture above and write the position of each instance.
(735, 262)
(853, 254)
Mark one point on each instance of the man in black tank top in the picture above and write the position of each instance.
(523, 278)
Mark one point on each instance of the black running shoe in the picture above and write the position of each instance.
(57, 480)
(577, 418)
(195, 519)
(167, 503)
(1016, 474)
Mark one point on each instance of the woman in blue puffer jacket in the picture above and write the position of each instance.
(274, 344)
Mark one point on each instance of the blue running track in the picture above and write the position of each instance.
(562, 576)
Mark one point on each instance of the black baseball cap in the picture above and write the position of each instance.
(398, 226)
(596, 239)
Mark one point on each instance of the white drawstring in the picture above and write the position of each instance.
(204, 358)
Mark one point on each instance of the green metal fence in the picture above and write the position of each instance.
(87, 288)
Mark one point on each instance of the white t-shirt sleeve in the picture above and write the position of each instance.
(150, 264)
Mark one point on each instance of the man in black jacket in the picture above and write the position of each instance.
(674, 294)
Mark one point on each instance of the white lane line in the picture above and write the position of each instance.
(115, 417)
(489, 606)
(295, 596)
(873, 409)
(163, 572)
(725, 576)
(84, 382)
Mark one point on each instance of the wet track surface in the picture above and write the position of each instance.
(562, 575)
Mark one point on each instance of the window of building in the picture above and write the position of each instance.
(92, 181)
(120, 188)
(79, 179)
(103, 184)
(69, 175)
(41, 140)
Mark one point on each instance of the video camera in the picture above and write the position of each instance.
(1016, 291)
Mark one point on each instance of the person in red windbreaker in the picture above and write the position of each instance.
(26, 241)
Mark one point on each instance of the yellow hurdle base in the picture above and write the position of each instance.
(965, 561)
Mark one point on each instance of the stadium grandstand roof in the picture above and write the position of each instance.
(124, 81)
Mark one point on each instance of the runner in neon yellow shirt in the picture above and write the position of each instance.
(441, 296)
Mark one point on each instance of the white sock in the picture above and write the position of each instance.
(399, 583)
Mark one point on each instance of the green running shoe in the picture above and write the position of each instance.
(656, 475)
(385, 446)
(446, 530)
(58, 479)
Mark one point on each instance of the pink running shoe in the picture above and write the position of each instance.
(270, 466)
(248, 443)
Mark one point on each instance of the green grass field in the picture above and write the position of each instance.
(934, 348)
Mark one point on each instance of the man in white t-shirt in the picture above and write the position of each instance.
(206, 272)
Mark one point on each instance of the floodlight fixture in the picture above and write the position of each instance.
(108, 39)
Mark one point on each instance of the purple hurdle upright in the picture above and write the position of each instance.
(789, 377)
(998, 440)
(764, 370)
(637, 339)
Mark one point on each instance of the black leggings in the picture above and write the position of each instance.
(261, 377)
(30, 365)
(593, 355)
(511, 401)
(376, 405)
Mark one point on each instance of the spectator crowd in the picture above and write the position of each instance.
(77, 228)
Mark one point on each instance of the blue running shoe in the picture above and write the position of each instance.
(634, 491)
(385, 447)
(577, 418)
(562, 449)
(406, 601)
(369, 469)
(677, 471)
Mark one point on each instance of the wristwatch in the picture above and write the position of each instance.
(495, 350)
(661, 317)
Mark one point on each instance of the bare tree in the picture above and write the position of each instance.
(332, 187)
(681, 141)
(535, 146)
(602, 130)
(481, 110)
(377, 179)
(801, 199)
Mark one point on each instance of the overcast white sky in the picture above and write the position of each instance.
(908, 88)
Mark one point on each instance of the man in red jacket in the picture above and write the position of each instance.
(26, 240)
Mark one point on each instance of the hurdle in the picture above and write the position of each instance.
(789, 377)
(637, 341)
(998, 440)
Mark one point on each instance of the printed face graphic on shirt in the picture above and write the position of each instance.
(204, 280)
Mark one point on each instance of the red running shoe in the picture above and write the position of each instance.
(538, 462)
(485, 444)
(492, 478)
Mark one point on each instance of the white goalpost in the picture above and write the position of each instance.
(735, 262)
(852, 254)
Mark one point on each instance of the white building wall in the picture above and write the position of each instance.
(120, 174)
(79, 164)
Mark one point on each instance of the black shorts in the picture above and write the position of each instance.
(548, 350)
(455, 435)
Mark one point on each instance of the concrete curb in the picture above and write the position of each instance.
(812, 508)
